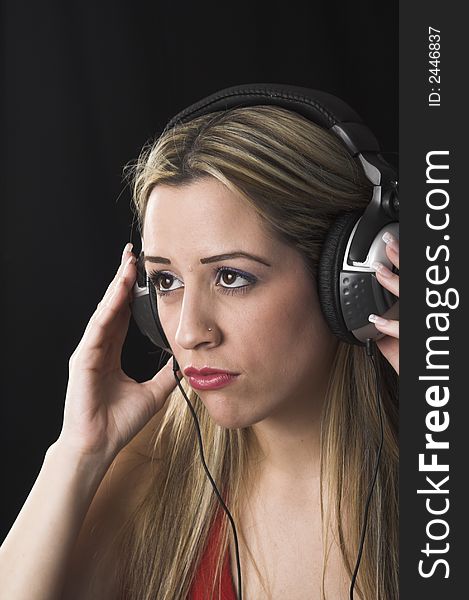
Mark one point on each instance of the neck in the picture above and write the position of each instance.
(286, 447)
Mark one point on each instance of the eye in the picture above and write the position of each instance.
(161, 278)
(229, 276)
(225, 277)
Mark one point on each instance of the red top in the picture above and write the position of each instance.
(202, 582)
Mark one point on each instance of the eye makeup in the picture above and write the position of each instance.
(155, 277)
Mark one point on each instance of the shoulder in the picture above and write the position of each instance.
(125, 484)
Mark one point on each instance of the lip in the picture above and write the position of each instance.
(206, 371)
(209, 378)
(211, 382)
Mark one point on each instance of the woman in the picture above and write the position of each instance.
(291, 440)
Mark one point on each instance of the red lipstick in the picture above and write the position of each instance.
(208, 378)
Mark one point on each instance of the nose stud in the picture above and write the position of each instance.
(210, 329)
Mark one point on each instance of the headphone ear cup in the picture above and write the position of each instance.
(144, 308)
(154, 309)
(330, 267)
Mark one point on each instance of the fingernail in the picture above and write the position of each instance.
(130, 259)
(127, 249)
(382, 269)
(390, 240)
(377, 320)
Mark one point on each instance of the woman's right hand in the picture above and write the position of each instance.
(104, 408)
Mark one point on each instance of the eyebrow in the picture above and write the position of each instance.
(210, 259)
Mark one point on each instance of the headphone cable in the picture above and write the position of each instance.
(370, 345)
(175, 369)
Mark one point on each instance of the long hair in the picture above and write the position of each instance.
(298, 177)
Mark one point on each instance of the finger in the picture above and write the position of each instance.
(387, 278)
(392, 248)
(126, 254)
(162, 384)
(111, 308)
(388, 326)
(114, 301)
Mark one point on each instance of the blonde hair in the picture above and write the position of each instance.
(298, 177)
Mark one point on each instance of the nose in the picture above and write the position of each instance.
(194, 321)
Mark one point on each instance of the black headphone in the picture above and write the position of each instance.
(347, 284)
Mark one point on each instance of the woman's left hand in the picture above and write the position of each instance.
(389, 345)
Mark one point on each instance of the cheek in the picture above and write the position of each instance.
(288, 336)
(270, 331)
(286, 319)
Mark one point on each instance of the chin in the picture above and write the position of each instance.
(229, 419)
(233, 420)
(227, 410)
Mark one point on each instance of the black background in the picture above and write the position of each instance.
(85, 86)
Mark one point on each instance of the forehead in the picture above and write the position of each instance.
(200, 216)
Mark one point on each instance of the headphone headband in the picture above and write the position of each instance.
(323, 108)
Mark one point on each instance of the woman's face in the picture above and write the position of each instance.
(266, 322)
